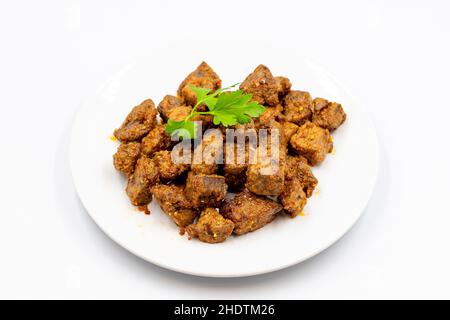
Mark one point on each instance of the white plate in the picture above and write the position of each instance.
(346, 178)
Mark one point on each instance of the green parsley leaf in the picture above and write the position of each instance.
(227, 108)
(201, 93)
(210, 101)
(182, 129)
(235, 107)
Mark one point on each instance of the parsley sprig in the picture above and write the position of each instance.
(227, 108)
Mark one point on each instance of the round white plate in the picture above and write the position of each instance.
(346, 177)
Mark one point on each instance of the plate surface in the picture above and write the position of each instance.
(346, 177)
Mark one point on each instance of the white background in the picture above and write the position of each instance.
(393, 56)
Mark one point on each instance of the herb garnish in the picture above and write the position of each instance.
(227, 107)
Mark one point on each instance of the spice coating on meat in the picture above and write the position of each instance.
(235, 169)
(167, 104)
(211, 227)
(138, 122)
(288, 130)
(203, 77)
(297, 168)
(156, 140)
(167, 168)
(262, 85)
(126, 157)
(179, 113)
(266, 175)
(174, 203)
(283, 86)
(205, 190)
(145, 176)
(269, 115)
(293, 198)
(249, 212)
(328, 115)
(207, 121)
(297, 106)
(312, 142)
(235, 176)
(211, 152)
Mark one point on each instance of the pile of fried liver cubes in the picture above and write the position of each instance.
(194, 195)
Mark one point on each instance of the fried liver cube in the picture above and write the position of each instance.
(211, 227)
(209, 153)
(235, 175)
(174, 203)
(265, 176)
(204, 77)
(249, 212)
(269, 115)
(297, 168)
(167, 168)
(126, 157)
(145, 176)
(283, 86)
(179, 113)
(288, 130)
(312, 142)
(235, 168)
(262, 85)
(167, 104)
(328, 115)
(297, 106)
(156, 140)
(138, 123)
(293, 198)
(206, 120)
(205, 190)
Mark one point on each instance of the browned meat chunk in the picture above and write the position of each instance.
(205, 190)
(249, 212)
(167, 168)
(209, 153)
(312, 142)
(126, 156)
(173, 202)
(283, 86)
(205, 119)
(167, 104)
(297, 107)
(274, 127)
(293, 198)
(266, 175)
(262, 85)
(144, 177)
(237, 126)
(211, 227)
(157, 139)
(288, 130)
(138, 122)
(203, 77)
(297, 168)
(328, 115)
(179, 113)
(269, 115)
(235, 175)
(235, 168)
